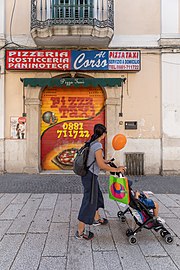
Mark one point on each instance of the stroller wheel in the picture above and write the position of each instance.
(163, 233)
(169, 239)
(123, 219)
(120, 215)
(132, 240)
(129, 232)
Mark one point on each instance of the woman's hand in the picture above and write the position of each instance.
(121, 169)
(103, 166)
(107, 161)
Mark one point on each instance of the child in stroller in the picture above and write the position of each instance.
(145, 214)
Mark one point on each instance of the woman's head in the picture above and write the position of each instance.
(99, 129)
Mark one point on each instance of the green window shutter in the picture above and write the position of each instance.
(77, 9)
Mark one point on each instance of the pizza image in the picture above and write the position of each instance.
(66, 157)
(61, 157)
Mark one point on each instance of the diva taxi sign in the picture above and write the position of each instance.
(109, 60)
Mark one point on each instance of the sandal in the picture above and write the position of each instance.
(101, 221)
(85, 235)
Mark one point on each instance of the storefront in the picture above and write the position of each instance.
(60, 112)
(68, 108)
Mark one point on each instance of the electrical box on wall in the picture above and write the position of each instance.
(131, 125)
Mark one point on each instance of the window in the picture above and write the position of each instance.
(72, 9)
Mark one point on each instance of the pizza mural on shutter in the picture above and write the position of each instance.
(68, 116)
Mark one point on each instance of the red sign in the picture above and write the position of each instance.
(124, 60)
(21, 120)
(85, 60)
(40, 60)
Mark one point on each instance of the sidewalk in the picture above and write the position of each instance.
(37, 232)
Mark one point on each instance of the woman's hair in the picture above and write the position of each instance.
(99, 129)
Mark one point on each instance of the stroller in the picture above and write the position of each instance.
(142, 215)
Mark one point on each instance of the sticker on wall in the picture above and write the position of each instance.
(68, 116)
(18, 127)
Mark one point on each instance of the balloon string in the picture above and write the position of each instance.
(113, 154)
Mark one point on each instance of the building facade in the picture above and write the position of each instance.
(72, 64)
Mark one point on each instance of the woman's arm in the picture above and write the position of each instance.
(102, 163)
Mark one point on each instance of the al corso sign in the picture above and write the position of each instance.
(103, 60)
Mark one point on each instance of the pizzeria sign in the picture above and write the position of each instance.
(75, 60)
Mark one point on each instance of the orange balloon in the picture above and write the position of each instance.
(119, 141)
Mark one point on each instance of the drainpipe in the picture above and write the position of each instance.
(2, 70)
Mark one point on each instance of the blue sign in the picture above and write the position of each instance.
(89, 60)
(106, 60)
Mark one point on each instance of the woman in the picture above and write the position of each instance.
(93, 198)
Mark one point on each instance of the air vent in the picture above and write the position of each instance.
(135, 163)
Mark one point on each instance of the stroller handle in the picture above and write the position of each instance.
(119, 174)
(113, 165)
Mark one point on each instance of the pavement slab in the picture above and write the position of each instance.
(105, 260)
(62, 209)
(79, 255)
(167, 201)
(25, 217)
(173, 223)
(164, 263)
(41, 221)
(4, 226)
(103, 240)
(30, 252)
(111, 207)
(52, 263)
(48, 201)
(173, 251)
(21, 198)
(9, 247)
(57, 240)
(11, 211)
(5, 200)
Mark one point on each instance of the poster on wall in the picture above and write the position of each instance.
(68, 117)
(18, 127)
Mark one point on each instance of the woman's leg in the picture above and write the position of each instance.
(97, 215)
(100, 204)
(88, 208)
(81, 227)
(100, 199)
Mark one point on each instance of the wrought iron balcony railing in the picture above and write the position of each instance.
(47, 13)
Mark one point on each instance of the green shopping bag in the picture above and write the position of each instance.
(119, 189)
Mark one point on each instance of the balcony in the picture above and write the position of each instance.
(72, 23)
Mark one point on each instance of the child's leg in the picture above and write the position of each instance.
(156, 210)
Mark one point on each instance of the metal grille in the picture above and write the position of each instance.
(68, 9)
(135, 163)
(46, 13)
